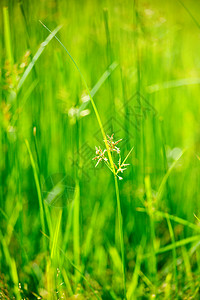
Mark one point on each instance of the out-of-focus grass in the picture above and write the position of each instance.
(59, 223)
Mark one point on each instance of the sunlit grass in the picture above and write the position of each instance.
(69, 229)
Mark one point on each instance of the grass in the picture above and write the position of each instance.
(70, 230)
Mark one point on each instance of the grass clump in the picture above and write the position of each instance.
(69, 230)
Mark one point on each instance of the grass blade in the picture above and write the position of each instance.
(173, 251)
(7, 35)
(36, 56)
(173, 218)
(178, 244)
(37, 183)
(55, 235)
(164, 180)
(134, 280)
(152, 226)
(76, 237)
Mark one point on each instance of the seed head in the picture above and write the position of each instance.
(119, 167)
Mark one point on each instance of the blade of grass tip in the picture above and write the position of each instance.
(171, 232)
(178, 220)
(7, 35)
(37, 183)
(127, 156)
(152, 226)
(36, 56)
(109, 155)
(74, 266)
(161, 187)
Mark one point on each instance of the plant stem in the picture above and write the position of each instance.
(121, 233)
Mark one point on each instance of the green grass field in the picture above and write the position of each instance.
(72, 74)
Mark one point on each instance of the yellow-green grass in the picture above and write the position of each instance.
(138, 62)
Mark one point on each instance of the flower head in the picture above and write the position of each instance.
(100, 155)
(119, 167)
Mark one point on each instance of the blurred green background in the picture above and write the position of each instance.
(144, 55)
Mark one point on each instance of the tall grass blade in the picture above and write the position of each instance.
(152, 226)
(36, 56)
(7, 35)
(134, 280)
(177, 244)
(76, 234)
(173, 251)
(163, 182)
(173, 218)
(37, 183)
(55, 235)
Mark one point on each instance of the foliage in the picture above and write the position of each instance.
(62, 233)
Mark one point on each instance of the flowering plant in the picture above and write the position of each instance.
(101, 155)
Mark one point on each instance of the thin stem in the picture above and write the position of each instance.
(121, 233)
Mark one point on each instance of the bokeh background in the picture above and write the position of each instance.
(141, 60)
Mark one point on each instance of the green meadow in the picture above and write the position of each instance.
(99, 149)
